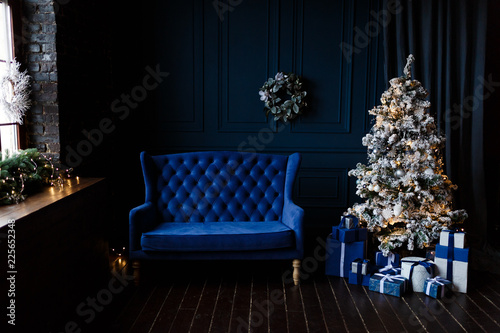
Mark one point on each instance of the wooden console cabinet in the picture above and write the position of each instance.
(61, 252)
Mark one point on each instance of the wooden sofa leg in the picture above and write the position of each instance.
(296, 272)
(136, 265)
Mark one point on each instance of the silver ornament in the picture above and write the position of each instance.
(398, 208)
(399, 173)
(429, 171)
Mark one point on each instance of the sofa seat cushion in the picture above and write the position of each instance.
(218, 236)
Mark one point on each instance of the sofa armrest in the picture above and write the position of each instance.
(293, 217)
(141, 219)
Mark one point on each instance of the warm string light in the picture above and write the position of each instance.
(22, 172)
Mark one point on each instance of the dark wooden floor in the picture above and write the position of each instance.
(256, 297)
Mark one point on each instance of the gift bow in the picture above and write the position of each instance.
(389, 278)
(359, 264)
(439, 280)
(348, 222)
(389, 268)
(390, 259)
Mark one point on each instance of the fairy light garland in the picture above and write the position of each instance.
(24, 173)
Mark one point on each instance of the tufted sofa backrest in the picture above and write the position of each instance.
(215, 186)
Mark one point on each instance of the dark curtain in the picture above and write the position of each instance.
(448, 40)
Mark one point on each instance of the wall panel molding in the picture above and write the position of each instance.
(321, 187)
(332, 117)
(191, 120)
(244, 118)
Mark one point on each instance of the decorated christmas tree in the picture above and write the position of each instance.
(408, 198)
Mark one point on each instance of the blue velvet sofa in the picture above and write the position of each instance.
(218, 205)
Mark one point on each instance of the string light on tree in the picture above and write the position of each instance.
(408, 199)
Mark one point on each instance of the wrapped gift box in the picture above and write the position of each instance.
(417, 270)
(457, 238)
(395, 285)
(347, 231)
(452, 253)
(392, 259)
(459, 272)
(355, 278)
(349, 235)
(361, 266)
(452, 264)
(437, 287)
(341, 255)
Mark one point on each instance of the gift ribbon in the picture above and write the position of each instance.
(450, 257)
(391, 258)
(359, 277)
(439, 280)
(389, 278)
(342, 257)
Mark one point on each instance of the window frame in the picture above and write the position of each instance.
(15, 39)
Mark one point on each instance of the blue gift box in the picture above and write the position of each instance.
(347, 231)
(392, 259)
(456, 253)
(341, 255)
(360, 279)
(349, 235)
(437, 287)
(395, 285)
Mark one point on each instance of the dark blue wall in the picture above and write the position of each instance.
(210, 101)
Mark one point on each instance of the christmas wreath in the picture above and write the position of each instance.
(283, 96)
(14, 92)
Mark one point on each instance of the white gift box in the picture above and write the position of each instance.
(420, 273)
(458, 239)
(459, 273)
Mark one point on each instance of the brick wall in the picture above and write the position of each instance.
(38, 42)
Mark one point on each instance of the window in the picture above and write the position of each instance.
(9, 131)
